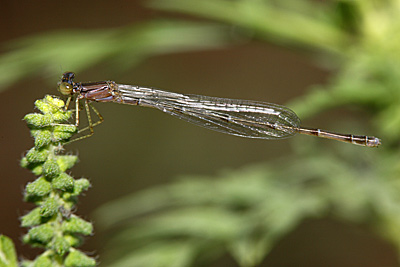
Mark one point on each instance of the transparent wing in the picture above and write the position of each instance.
(244, 118)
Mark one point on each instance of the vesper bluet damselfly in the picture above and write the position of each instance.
(245, 118)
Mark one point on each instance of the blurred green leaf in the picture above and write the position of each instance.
(247, 211)
(80, 49)
(300, 23)
(169, 254)
(8, 257)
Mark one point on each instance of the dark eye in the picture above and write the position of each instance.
(68, 77)
(65, 88)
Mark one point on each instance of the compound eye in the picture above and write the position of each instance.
(68, 77)
(65, 88)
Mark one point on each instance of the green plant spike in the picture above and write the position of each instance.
(52, 226)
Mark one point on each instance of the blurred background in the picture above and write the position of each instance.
(168, 193)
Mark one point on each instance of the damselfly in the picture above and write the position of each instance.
(245, 118)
